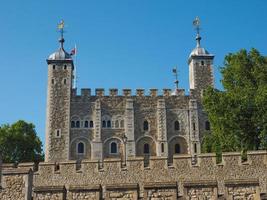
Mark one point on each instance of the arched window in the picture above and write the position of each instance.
(176, 126)
(117, 124)
(177, 148)
(146, 148)
(113, 147)
(77, 124)
(207, 125)
(91, 124)
(145, 125)
(162, 147)
(122, 123)
(108, 124)
(86, 124)
(104, 124)
(72, 124)
(81, 148)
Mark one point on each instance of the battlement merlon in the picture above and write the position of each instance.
(113, 92)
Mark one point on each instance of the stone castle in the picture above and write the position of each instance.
(98, 126)
(131, 146)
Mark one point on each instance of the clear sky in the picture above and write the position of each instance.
(121, 44)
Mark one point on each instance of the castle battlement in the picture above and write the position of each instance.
(113, 92)
(185, 177)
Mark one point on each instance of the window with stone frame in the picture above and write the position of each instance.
(122, 123)
(72, 124)
(80, 148)
(77, 125)
(145, 125)
(113, 148)
(108, 124)
(91, 124)
(104, 124)
(176, 125)
(177, 149)
(146, 148)
(86, 124)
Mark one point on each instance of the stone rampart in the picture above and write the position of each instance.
(187, 178)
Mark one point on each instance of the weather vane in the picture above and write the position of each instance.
(60, 27)
(196, 24)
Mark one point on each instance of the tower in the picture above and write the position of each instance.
(200, 65)
(60, 75)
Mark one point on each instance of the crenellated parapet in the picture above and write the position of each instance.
(205, 178)
(140, 92)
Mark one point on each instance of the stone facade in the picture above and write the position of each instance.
(184, 179)
(100, 125)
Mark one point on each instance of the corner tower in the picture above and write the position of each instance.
(60, 78)
(200, 65)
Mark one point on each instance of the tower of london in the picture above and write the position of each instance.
(122, 124)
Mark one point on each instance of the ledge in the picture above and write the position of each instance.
(84, 188)
(124, 186)
(236, 182)
(151, 185)
(49, 188)
(13, 171)
(210, 183)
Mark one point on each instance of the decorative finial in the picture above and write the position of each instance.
(196, 24)
(60, 27)
(175, 73)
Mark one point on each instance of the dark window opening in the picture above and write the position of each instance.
(91, 124)
(202, 62)
(54, 66)
(81, 148)
(145, 126)
(65, 81)
(194, 126)
(122, 123)
(86, 124)
(146, 148)
(65, 67)
(162, 147)
(176, 126)
(77, 124)
(72, 124)
(207, 125)
(195, 148)
(58, 133)
(52, 81)
(104, 124)
(113, 147)
(177, 148)
(108, 124)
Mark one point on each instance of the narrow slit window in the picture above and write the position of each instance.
(86, 124)
(91, 124)
(162, 147)
(176, 125)
(145, 125)
(65, 81)
(195, 148)
(207, 125)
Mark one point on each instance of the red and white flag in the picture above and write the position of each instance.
(73, 51)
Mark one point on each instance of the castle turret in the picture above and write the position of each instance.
(200, 66)
(60, 75)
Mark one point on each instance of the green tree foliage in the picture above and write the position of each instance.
(238, 115)
(19, 143)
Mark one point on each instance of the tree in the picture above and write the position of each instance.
(238, 115)
(19, 143)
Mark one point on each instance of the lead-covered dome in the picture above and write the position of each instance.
(199, 51)
(60, 54)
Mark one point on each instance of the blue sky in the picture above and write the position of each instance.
(121, 44)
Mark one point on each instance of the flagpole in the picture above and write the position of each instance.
(75, 68)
